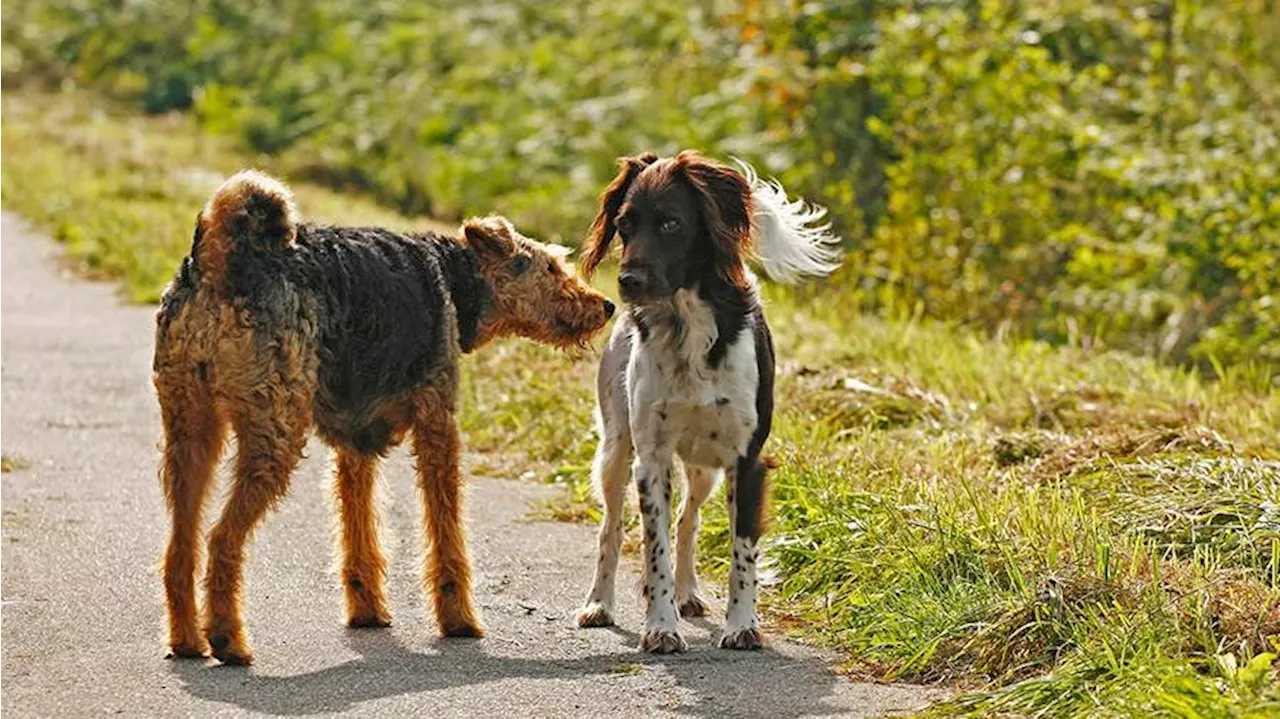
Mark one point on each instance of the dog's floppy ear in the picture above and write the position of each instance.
(489, 235)
(602, 231)
(725, 196)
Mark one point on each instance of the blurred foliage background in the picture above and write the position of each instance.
(1092, 173)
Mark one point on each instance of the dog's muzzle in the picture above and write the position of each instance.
(638, 283)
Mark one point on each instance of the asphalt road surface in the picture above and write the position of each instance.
(84, 523)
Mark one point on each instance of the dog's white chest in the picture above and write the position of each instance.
(706, 414)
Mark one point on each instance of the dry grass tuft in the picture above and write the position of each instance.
(1122, 442)
(868, 398)
(12, 464)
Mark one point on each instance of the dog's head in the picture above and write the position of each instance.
(681, 219)
(535, 295)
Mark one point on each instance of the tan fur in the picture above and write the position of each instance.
(364, 569)
(225, 217)
(520, 298)
(214, 371)
(446, 572)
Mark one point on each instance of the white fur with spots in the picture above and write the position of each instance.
(669, 404)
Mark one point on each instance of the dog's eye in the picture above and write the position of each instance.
(624, 227)
(551, 267)
(520, 264)
(669, 226)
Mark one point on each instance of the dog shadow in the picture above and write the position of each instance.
(721, 683)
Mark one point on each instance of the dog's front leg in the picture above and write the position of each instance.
(747, 491)
(447, 572)
(653, 473)
(610, 472)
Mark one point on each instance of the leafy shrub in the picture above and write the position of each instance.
(1091, 173)
(1037, 184)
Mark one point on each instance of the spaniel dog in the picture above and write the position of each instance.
(688, 372)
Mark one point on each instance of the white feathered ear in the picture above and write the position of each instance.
(789, 241)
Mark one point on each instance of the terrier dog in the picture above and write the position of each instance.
(273, 326)
(688, 372)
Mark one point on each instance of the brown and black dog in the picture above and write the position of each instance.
(273, 327)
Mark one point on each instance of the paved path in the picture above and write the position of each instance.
(83, 524)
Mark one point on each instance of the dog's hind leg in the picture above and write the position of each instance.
(364, 568)
(193, 440)
(699, 485)
(610, 472)
(270, 439)
(447, 571)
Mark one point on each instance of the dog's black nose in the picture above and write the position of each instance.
(608, 308)
(631, 284)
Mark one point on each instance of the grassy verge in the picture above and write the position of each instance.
(122, 191)
(1055, 530)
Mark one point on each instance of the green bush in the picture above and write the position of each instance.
(1064, 173)
(1091, 173)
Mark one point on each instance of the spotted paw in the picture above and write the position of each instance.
(694, 606)
(595, 614)
(662, 641)
(749, 638)
(230, 649)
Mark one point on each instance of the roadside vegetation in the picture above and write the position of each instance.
(1054, 530)
(1073, 171)
(122, 190)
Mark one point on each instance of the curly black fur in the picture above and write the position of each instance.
(375, 300)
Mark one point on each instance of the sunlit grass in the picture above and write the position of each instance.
(121, 192)
(1052, 528)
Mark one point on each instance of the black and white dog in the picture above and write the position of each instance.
(688, 371)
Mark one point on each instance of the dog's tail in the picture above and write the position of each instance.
(788, 239)
(249, 212)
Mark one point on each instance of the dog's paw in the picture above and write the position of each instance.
(455, 615)
(748, 638)
(368, 621)
(463, 630)
(230, 648)
(595, 614)
(662, 641)
(188, 650)
(694, 606)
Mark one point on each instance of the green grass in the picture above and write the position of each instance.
(122, 191)
(1055, 531)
